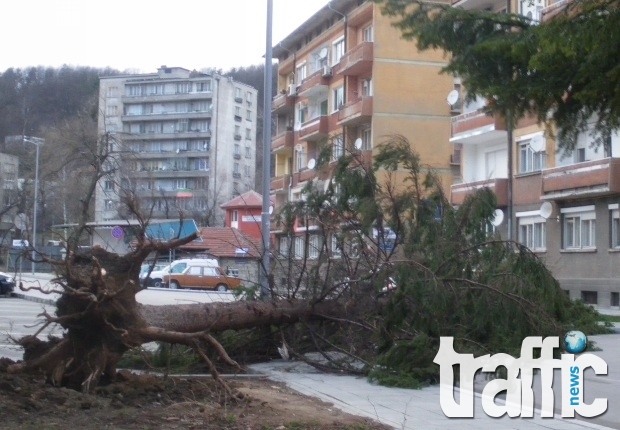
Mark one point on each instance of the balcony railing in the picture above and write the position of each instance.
(587, 179)
(498, 185)
(473, 127)
(282, 141)
(314, 83)
(303, 176)
(314, 129)
(280, 184)
(283, 101)
(358, 60)
(355, 112)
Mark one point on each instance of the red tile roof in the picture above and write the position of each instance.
(248, 199)
(225, 242)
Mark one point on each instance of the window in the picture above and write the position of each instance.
(314, 246)
(589, 297)
(246, 170)
(303, 113)
(284, 245)
(496, 165)
(337, 51)
(237, 111)
(248, 134)
(235, 216)
(237, 149)
(300, 73)
(338, 147)
(112, 91)
(238, 95)
(235, 168)
(300, 160)
(338, 98)
(368, 34)
(203, 87)
(580, 155)
(108, 185)
(109, 205)
(532, 232)
(366, 139)
(530, 161)
(615, 299)
(367, 87)
(110, 110)
(336, 246)
(248, 152)
(579, 227)
(181, 184)
(614, 217)
(300, 247)
(248, 115)
(183, 87)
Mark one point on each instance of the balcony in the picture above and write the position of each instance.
(280, 184)
(498, 185)
(477, 127)
(177, 134)
(303, 176)
(282, 141)
(356, 112)
(554, 9)
(358, 60)
(314, 129)
(283, 102)
(474, 4)
(314, 84)
(587, 179)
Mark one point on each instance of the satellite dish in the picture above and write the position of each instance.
(178, 150)
(311, 163)
(270, 209)
(453, 97)
(498, 217)
(537, 143)
(358, 143)
(546, 209)
(323, 53)
(21, 221)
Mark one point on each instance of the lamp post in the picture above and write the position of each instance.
(37, 141)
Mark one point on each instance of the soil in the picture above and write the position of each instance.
(153, 402)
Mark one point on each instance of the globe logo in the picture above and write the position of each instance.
(575, 341)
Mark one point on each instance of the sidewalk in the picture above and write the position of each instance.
(396, 407)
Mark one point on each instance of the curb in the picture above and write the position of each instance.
(33, 299)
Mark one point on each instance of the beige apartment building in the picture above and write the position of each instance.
(565, 205)
(181, 140)
(346, 77)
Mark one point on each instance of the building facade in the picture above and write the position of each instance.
(9, 168)
(347, 79)
(565, 205)
(181, 140)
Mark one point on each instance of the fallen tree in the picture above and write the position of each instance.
(377, 298)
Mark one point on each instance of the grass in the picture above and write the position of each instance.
(610, 318)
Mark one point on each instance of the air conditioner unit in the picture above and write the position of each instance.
(292, 89)
(327, 71)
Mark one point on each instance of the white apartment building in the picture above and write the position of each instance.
(182, 140)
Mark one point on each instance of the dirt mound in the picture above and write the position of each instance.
(152, 402)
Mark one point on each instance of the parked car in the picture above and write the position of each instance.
(155, 278)
(202, 277)
(7, 283)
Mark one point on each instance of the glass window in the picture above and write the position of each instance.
(338, 147)
(338, 100)
(337, 51)
(367, 87)
(284, 244)
(336, 246)
(615, 228)
(530, 161)
(368, 34)
(300, 73)
(579, 228)
(314, 246)
(300, 247)
(532, 232)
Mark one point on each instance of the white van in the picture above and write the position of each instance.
(155, 278)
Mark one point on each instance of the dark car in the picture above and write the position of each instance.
(7, 284)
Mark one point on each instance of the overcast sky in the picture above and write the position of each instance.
(141, 35)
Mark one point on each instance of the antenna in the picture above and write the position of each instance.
(546, 210)
(358, 143)
(498, 217)
(537, 143)
(453, 97)
(311, 163)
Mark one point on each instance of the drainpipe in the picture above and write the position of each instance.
(344, 85)
(290, 164)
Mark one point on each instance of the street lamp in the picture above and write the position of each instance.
(37, 141)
